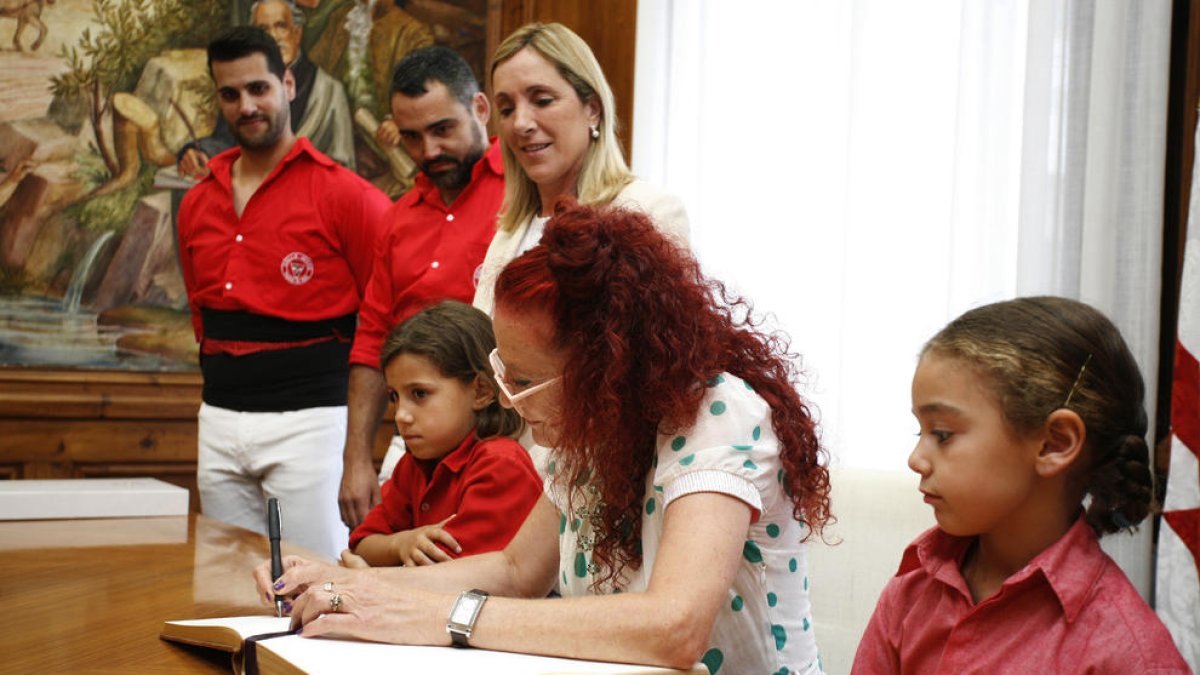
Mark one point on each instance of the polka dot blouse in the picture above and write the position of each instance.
(765, 626)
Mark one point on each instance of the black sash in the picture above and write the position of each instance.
(222, 324)
(276, 380)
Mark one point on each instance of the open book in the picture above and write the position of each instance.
(227, 634)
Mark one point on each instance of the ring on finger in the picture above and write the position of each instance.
(335, 602)
(328, 586)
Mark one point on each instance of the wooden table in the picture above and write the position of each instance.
(91, 595)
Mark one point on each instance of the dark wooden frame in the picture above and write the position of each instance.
(1184, 93)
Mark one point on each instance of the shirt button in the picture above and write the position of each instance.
(424, 507)
(228, 285)
(238, 238)
(449, 217)
(435, 264)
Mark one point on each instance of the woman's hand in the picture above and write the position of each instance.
(357, 604)
(268, 588)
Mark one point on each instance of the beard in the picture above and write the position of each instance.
(459, 174)
(268, 137)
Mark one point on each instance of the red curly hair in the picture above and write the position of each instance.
(643, 329)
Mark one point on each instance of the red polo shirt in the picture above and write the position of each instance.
(491, 485)
(1070, 610)
(430, 252)
(302, 249)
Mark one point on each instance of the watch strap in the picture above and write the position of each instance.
(458, 638)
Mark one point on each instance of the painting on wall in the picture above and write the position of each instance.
(102, 102)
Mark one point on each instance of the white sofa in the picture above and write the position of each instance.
(879, 513)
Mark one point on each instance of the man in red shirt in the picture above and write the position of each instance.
(276, 245)
(439, 233)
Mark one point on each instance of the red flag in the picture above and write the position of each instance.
(1177, 599)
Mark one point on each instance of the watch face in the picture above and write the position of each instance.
(465, 609)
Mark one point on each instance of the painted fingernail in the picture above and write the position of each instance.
(287, 606)
(278, 585)
(300, 630)
(267, 596)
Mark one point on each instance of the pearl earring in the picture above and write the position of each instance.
(595, 132)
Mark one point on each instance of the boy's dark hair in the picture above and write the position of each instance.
(438, 64)
(1041, 354)
(457, 339)
(242, 41)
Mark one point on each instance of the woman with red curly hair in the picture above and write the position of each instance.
(685, 474)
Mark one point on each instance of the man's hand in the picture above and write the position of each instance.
(194, 163)
(359, 492)
(388, 134)
(365, 403)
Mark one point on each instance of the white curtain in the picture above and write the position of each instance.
(866, 170)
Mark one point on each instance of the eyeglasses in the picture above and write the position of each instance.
(513, 398)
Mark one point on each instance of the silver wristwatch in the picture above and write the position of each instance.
(463, 616)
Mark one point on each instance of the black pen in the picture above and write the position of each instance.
(276, 559)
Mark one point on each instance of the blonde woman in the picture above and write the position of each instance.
(558, 128)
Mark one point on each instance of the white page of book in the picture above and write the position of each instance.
(244, 625)
(318, 655)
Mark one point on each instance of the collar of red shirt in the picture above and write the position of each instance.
(492, 161)
(220, 168)
(457, 458)
(1071, 566)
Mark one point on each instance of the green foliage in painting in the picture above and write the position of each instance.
(110, 212)
(111, 55)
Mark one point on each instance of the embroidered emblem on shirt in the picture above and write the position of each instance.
(297, 268)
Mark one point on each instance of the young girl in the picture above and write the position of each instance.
(464, 486)
(1025, 407)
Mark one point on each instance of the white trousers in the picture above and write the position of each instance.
(394, 452)
(294, 456)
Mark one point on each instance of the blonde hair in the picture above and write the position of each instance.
(604, 173)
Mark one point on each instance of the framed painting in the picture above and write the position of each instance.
(102, 98)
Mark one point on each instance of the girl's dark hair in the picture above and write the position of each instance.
(643, 328)
(1040, 354)
(457, 338)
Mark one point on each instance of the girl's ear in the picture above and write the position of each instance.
(484, 394)
(1062, 442)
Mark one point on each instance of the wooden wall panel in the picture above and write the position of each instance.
(82, 424)
(104, 424)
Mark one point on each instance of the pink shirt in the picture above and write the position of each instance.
(1070, 610)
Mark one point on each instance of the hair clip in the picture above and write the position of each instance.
(1078, 379)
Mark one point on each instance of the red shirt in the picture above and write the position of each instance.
(491, 485)
(301, 250)
(1070, 610)
(430, 253)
